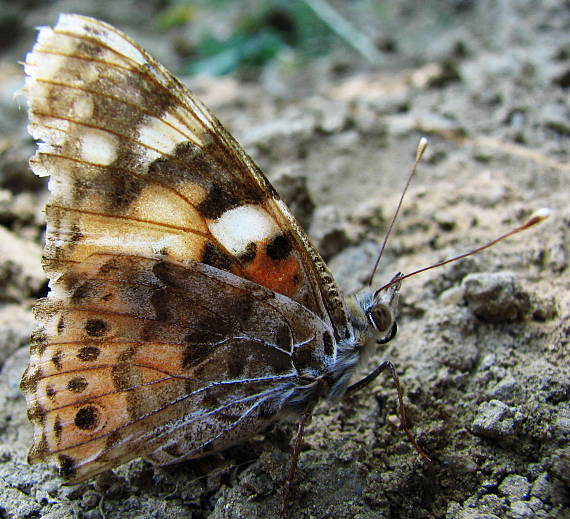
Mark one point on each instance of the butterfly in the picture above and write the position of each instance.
(188, 310)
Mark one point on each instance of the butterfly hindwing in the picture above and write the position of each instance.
(130, 363)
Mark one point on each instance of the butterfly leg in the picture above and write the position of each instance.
(294, 459)
(388, 365)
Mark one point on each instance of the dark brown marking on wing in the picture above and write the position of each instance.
(194, 354)
(128, 354)
(57, 428)
(89, 48)
(159, 301)
(249, 254)
(122, 377)
(60, 325)
(96, 327)
(328, 344)
(76, 234)
(77, 384)
(283, 338)
(242, 307)
(38, 341)
(124, 189)
(67, 466)
(165, 272)
(172, 90)
(112, 265)
(52, 209)
(215, 257)
(88, 353)
(113, 438)
(50, 392)
(36, 413)
(87, 418)
(236, 365)
(279, 248)
(56, 359)
(30, 379)
(303, 357)
(83, 291)
(217, 202)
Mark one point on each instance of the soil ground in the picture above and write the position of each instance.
(482, 348)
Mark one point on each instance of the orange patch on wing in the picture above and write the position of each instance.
(282, 276)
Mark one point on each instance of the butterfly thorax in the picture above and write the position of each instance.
(371, 314)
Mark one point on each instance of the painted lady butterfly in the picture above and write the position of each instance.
(188, 309)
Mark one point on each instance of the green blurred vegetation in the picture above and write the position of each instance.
(259, 36)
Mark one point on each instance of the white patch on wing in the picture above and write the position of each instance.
(44, 66)
(83, 107)
(98, 147)
(238, 227)
(160, 136)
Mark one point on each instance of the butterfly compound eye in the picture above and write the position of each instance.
(381, 317)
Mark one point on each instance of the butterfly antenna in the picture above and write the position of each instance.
(422, 145)
(537, 217)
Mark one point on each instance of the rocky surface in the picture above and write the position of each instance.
(482, 349)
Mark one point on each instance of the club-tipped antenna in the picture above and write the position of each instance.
(422, 145)
(535, 218)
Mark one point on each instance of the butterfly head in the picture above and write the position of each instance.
(377, 311)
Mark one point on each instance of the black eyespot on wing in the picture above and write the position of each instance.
(279, 247)
(96, 327)
(87, 418)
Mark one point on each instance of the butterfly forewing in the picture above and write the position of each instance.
(139, 165)
(184, 296)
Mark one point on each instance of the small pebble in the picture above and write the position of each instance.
(496, 297)
(542, 488)
(521, 510)
(514, 487)
(495, 419)
(504, 389)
